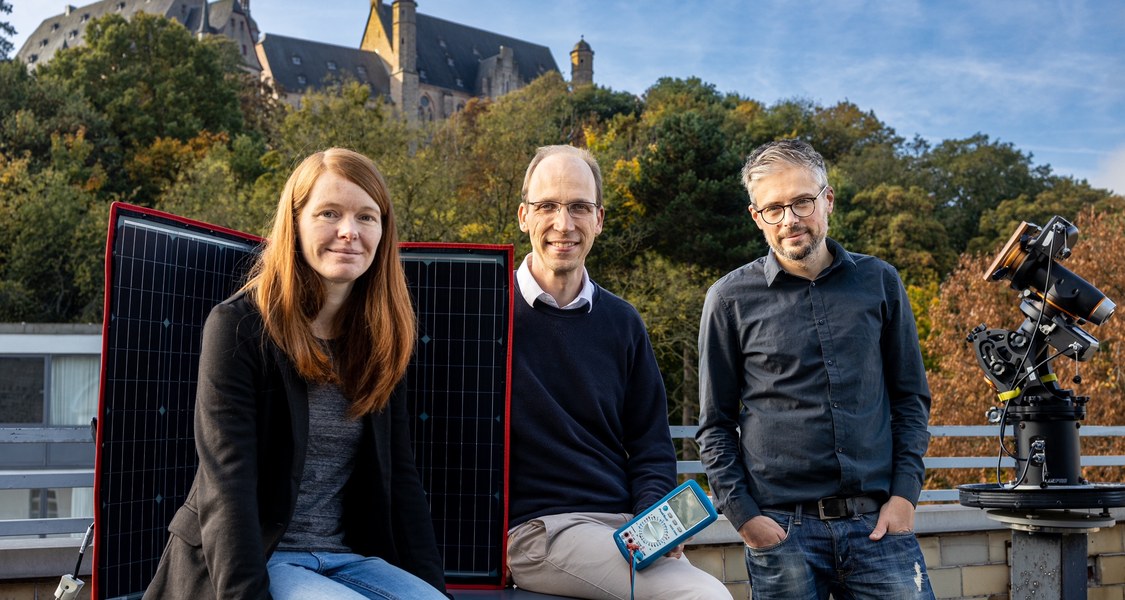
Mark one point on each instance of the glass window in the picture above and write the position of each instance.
(74, 389)
(22, 382)
(296, 59)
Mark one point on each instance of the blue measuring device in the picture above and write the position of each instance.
(681, 514)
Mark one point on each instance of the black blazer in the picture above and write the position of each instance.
(251, 434)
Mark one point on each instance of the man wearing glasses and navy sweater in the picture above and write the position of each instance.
(590, 445)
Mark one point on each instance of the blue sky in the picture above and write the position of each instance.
(1045, 75)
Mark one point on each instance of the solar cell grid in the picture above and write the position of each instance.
(458, 384)
(162, 279)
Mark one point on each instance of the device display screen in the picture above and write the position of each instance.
(688, 508)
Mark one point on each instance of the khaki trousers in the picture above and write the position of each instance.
(573, 554)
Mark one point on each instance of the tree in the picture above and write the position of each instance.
(155, 167)
(972, 176)
(152, 79)
(693, 205)
(32, 110)
(208, 189)
(842, 130)
(52, 237)
(1063, 196)
(669, 297)
(493, 142)
(900, 226)
(6, 31)
(594, 104)
(345, 114)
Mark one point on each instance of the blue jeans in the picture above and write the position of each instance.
(819, 557)
(341, 576)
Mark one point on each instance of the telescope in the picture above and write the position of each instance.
(1044, 417)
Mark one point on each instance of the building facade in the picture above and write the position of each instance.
(427, 67)
(230, 18)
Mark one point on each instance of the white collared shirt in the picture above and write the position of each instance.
(531, 290)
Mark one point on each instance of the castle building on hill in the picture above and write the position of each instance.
(437, 65)
(426, 66)
(230, 18)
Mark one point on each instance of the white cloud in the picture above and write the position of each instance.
(1111, 171)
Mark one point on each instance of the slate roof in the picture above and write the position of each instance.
(316, 61)
(448, 52)
(68, 30)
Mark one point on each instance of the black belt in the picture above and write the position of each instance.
(836, 507)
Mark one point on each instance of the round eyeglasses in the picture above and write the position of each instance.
(801, 207)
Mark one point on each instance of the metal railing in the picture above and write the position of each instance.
(25, 479)
(44, 478)
(691, 467)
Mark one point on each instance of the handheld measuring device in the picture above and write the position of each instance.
(681, 514)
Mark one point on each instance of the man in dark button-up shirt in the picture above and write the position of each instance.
(814, 399)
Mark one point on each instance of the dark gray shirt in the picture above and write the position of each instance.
(810, 389)
(317, 523)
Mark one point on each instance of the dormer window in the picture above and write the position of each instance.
(296, 59)
(302, 80)
(460, 83)
(54, 27)
(331, 65)
(43, 42)
(73, 34)
(441, 42)
(120, 6)
(32, 58)
(422, 74)
(362, 70)
(85, 17)
(449, 59)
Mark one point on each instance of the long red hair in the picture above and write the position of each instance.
(376, 325)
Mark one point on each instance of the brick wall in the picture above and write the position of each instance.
(961, 564)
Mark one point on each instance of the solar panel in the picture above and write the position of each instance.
(163, 276)
(458, 385)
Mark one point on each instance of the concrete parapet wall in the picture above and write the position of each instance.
(967, 555)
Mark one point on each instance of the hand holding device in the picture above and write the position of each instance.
(681, 514)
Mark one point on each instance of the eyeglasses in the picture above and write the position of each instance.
(801, 207)
(577, 210)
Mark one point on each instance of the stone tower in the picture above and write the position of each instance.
(404, 68)
(581, 64)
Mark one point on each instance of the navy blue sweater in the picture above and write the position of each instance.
(589, 429)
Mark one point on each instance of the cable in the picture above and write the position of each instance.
(632, 569)
(70, 585)
(1018, 379)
